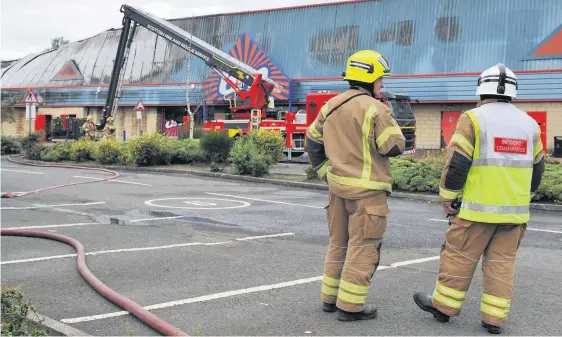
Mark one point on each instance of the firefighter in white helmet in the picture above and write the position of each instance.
(495, 162)
(350, 143)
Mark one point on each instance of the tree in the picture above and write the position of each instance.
(56, 43)
(8, 111)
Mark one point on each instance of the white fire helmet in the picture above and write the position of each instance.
(497, 80)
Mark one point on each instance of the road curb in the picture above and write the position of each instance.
(321, 187)
(54, 327)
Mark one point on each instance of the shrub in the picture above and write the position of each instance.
(551, 184)
(147, 150)
(10, 145)
(271, 143)
(184, 151)
(31, 146)
(216, 146)
(107, 151)
(415, 176)
(56, 153)
(247, 158)
(14, 315)
(82, 150)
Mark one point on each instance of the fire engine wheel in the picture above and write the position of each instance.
(293, 153)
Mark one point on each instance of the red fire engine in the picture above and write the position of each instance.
(293, 125)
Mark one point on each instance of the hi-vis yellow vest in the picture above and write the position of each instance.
(498, 186)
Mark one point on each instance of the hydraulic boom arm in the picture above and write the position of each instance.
(224, 64)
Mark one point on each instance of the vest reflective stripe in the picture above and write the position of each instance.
(365, 180)
(497, 188)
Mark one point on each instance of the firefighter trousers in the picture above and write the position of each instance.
(465, 243)
(356, 228)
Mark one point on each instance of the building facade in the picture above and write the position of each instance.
(436, 49)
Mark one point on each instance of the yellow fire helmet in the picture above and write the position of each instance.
(90, 118)
(366, 66)
(110, 118)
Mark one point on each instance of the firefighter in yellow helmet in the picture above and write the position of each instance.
(89, 128)
(495, 162)
(349, 145)
(109, 129)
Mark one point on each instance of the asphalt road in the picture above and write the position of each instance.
(239, 258)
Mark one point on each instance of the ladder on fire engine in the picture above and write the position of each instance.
(255, 119)
(122, 72)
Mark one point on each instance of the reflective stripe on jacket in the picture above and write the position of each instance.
(352, 144)
(505, 147)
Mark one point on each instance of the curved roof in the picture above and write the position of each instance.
(417, 37)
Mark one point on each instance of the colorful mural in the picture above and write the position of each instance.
(246, 50)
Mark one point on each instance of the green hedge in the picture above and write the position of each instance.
(252, 154)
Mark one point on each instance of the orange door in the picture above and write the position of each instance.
(540, 117)
(448, 124)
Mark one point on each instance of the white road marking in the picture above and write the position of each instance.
(198, 203)
(59, 205)
(272, 201)
(113, 180)
(211, 297)
(54, 257)
(264, 236)
(22, 171)
(162, 218)
(531, 229)
(53, 226)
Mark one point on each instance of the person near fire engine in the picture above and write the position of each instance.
(89, 128)
(349, 145)
(494, 164)
(109, 128)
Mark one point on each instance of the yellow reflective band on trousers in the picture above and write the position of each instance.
(332, 282)
(463, 143)
(495, 306)
(391, 130)
(448, 297)
(352, 293)
(366, 130)
(456, 294)
(354, 288)
(330, 285)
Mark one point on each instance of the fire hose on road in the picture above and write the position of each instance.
(133, 308)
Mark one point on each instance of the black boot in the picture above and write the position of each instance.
(327, 307)
(424, 302)
(369, 312)
(493, 329)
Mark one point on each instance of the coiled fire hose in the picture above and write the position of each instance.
(133, 308)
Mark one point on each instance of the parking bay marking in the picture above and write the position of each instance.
(272, 201)
(231, 293)
(48, 206)
(53, 257)
(21, 171)
(531, 229)
(113, 180)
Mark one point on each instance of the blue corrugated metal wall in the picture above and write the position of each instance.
(417, 36)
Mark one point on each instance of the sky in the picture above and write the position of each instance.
(28, 25)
